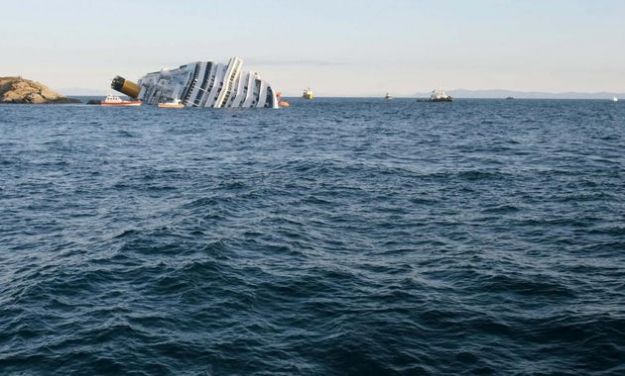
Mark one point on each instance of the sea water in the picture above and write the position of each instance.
(336, 237)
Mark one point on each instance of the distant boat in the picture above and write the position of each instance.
(388, 97)
(440, 96)
(176, 103)
(115, 101)
(614, 99)
(308, 94)
(509, 98)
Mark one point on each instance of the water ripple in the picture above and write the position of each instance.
(337, 237)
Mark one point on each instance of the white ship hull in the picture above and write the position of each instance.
(205, 84)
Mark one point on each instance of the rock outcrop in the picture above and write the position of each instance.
(21, 90)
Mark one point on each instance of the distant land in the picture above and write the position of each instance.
(496, 93)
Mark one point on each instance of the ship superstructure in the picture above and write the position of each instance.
(202, 84)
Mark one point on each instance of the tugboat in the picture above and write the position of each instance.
(308, 94)
(388, 97)
(440, 96)
(176, 103)
(115, 101)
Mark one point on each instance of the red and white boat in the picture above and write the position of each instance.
(115, 101)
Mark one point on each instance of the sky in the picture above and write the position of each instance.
(338, 48)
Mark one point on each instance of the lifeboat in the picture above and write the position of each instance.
(115, 101)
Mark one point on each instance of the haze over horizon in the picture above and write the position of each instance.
(349, 48)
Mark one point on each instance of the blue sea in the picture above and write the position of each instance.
(336, 237)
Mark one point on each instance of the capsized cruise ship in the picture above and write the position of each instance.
(202, 84)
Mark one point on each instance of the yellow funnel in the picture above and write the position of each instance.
(124, 86)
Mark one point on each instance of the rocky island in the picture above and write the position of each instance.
(21, 90)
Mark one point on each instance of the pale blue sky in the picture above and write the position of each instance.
(339, 48)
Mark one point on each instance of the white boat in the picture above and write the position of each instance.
(202, 84)
(614, 99)
(115, 101)
(308, 94)
(388, 97)
(440, 96)
(176, 103)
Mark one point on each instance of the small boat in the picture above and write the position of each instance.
(614, 99)
(115, 101)
(509, 98)
(282, 103)
(440, 96)
(388, 97)
(308, 94)
(176, 103)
